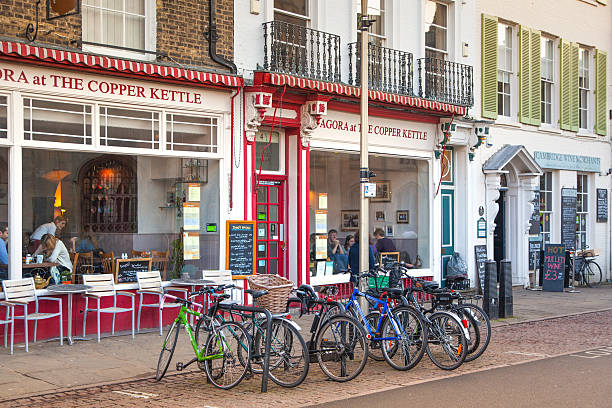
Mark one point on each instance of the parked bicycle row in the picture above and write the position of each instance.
(231, 342)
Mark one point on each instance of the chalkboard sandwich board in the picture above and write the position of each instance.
(568, 218)
(126, 269)
(480, 255)
(388, 259)
(554, 267)
(602, 205)
(240, 246)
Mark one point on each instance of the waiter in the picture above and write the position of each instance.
(51, 228)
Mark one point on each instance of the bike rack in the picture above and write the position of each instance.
(266, 312)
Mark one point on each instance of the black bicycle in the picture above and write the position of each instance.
(587, 272)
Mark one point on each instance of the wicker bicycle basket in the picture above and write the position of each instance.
(278, 289)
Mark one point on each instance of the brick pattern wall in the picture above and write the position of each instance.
(180, 29)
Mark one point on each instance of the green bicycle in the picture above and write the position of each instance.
(218, 355)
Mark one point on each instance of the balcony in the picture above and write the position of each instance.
(446, 81)
(302, 51)
(389, 70)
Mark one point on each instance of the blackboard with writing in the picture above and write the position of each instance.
(602, 205)
(568, 218)
(388, 259)
(554, 267)
(240, 244)
(535, 245)
(480, 255)
(126, 269)
(534, 229)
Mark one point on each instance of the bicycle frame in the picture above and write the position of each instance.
(352, 303)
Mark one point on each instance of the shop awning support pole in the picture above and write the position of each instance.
(364, 173)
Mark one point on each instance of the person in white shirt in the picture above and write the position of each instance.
(55, 251)
(58, 223)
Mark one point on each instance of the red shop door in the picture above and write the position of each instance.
(270, 227)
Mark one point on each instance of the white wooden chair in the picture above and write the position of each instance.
(9, 320)
(150, 283)
(21, 292)
(221, 277)
(104, 286)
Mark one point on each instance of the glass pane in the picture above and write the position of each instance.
(435, 37)
(262, 213)
(56, 121)
(292, 6)
(191, 133)
(273, 249)
(274, 233)
(261, 267)
(262, 231)
(129, 128)
(289, 19)
(273, 267)
(262, 194)
(4, 227)
(273, 213)
(261, 249)
(271, 155)
(273, 194)
(3, 117)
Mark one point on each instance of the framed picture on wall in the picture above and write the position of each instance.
(402, 217)
(389, 230)
(383, 191)
(380, 215)
(349, 220)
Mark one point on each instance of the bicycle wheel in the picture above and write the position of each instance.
(479, 327)
(591, 273)
(223, 368)
(375, 351)
(167, 350)
(289, 360)
(404, 335)
(202, 332)
(342, 348)
(446, 343)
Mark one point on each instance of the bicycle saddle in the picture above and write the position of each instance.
(256, 293)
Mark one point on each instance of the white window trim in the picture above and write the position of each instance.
(446, 29)
(588, 211)
(554, 114)
(513, 80)
(551, 211)
(150, 38)
(588, 131)
(281, 154)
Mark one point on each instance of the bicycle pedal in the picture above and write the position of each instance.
(179, 366)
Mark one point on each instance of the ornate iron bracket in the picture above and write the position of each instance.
(31, 32)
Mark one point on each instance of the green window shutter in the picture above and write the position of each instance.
(489, 67)
(600, 93)
(535, 79)
(524, 75)
(565, 82)
(574, 94)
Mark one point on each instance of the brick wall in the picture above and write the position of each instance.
(180, 28)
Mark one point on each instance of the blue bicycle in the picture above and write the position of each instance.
(397, 335)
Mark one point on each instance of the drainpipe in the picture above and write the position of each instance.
(212, 36)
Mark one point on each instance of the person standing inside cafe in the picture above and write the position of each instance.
(52, 228)
(383, 244)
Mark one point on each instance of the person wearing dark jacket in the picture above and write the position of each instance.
(354, 259)
(383, 244)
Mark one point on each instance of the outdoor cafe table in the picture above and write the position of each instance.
(192, 283)
(38, 266)
(69, 289)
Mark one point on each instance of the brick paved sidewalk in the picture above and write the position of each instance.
(49, 367)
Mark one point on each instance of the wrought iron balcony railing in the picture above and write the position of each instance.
(446, 81)
(302, 51)
(389, 70)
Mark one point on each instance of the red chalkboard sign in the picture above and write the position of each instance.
(554, 267)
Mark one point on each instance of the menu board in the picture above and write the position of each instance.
(602, 205)
(480, 255)
(388, 259)
(535, 245)
(554, 267)
(568, 218)
(126, 269)
(240, 245)
(534, 229)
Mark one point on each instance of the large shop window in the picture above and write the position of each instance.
(545, 206)
(191, 133)
(400, 209)
(57, 121)
(4, 214)
(3, 117)
(129, 128)
(167, 207)
(582, 210)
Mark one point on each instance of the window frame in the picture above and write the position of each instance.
(445, 53)
(546, 206)
(306, 18)
(551, 83)
(588, 90)
(150, 36)
(582, 213)
(511, 74)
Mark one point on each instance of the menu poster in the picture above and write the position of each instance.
(321, 247)
(193, 192)
(568, 218)
(191, 216)
(322, 201)
(534, 229)
(321, 268)
(321, 222)
(480, 255)
(240, 248)
(127, 269)
(554, 266)
(191, 245)
(535, 245)
(602, 205)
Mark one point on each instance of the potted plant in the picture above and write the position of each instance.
(176, 257)
(66, 277)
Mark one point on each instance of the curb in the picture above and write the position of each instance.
(497, 323)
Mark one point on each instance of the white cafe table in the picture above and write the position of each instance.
(69, 289)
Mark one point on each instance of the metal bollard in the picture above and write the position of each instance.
(490, 302)
(505, 289)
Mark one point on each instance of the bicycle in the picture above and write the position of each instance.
(338, 342)
(288, 366)
(398, 333)
(218, 356)
(587, 272)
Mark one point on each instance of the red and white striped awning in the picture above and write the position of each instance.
(269, 78)
(13, 50)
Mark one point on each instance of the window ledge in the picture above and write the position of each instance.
(116, 53)
(586, 134)
(550, 129)
(508, 122)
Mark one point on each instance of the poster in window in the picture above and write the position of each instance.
(321, 222)
(383, 191)
(322, 201)
(321, 247)
(191, 245)
(193, 192)
(191, 216)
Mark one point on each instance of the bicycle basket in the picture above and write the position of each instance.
(278, 289)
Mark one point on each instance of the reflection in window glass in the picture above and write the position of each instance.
(4, 214)
(545, 206)
(119, 23)
(129, 128)
(3, 117)
(271, 155)
(436, 25)
(404, 188)
(504, 69)
(55, 121)
(191, 133)
(582, 210)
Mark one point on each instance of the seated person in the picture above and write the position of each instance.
(354, 259)
(383, 244)
(54, 250)
(87, 242)
(348, 242)
(333, 244)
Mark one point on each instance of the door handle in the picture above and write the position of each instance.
(282, 246)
